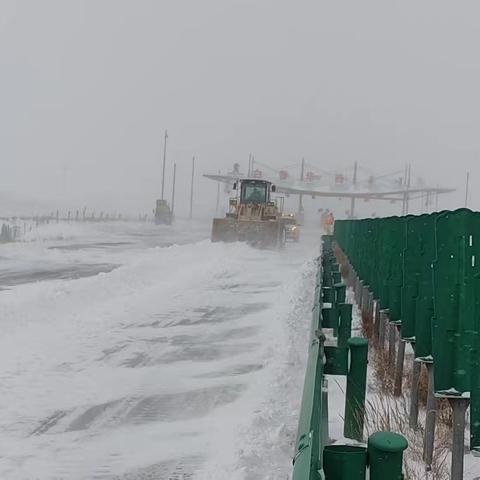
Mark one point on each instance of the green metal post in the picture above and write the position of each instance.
(344, 462)
(341, 292)
(328, 295)
(385, 455)
(330, 319)
(336, 360)
(356, 388)
(345, 328)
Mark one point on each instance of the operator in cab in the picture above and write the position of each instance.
(257, 196)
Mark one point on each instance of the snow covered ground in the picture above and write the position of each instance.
(130, 351)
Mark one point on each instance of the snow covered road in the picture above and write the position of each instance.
(182, 360)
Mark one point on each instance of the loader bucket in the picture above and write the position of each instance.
(263, 234)
(223, 230)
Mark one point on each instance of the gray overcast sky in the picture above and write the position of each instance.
(88, 87)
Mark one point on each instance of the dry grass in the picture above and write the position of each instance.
(444, 411)
(383, 412)
(344, 266)
(384, 373)
(367, 326)
(388, 414)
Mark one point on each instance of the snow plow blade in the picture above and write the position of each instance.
(265, 234)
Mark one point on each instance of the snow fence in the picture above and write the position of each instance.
(341, 354)
(417, 278)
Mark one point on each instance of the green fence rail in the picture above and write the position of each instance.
(424, 272)
(314, 458)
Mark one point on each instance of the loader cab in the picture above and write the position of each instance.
(255, 191)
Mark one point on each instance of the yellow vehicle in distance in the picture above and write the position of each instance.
(253, 217)
(292, 229)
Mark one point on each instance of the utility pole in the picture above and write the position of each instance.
(404, 190)
(300, 197)
(164, 161)
(173, 188)
(218, 193)
(466, 189)
(64, 178)
(408, 187)
(352, 201)
(191, 188)
(249, 165)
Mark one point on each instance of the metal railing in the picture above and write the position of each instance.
(422, 273)
(314, 458)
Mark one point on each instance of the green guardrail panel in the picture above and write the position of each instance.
(409, 303)
(316, 320)
(308, 434)
(395, 261)
(456, 277)
(374, 281)
(395, 302)
(411, 272)
(317, 296)
(304, 464)
(424, 304)
(456, 321)
(308, 446)
(425, 270)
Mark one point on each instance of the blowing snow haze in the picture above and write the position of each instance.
(136, 348)
(88, 88)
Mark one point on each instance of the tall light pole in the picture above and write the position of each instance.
(218, 193)
(191, 188)
(352, 201)
(404, 189)
(408, 188)
(466, 189)
(173, 188)
(164, 161)
(300, 197)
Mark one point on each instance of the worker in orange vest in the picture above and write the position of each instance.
(329, 221)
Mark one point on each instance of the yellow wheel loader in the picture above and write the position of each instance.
(252, 217)
(163, 214)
